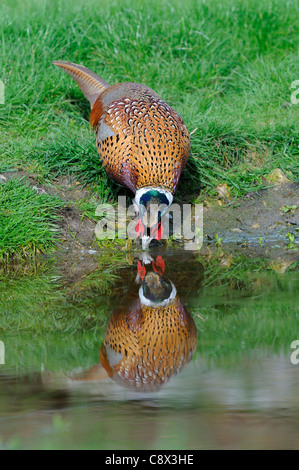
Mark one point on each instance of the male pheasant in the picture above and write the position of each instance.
(152, 340)
(142, 142)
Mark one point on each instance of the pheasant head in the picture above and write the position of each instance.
(152, 204)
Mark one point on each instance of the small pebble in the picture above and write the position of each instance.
(277, 176)
(39, 190)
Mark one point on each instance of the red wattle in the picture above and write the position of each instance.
(157, 231)
(139, 228)
(141, 270)
(159, 265)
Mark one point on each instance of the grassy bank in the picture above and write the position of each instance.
(27, 220)
(226, 67)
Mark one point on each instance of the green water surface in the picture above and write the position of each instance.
(239, 390)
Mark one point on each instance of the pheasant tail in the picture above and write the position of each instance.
(90, 83)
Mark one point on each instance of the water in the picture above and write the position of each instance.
(178, 351)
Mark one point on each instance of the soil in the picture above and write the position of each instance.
(257, 222)
(267, 214)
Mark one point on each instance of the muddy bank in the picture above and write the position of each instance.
(258, 222)
(262, 217)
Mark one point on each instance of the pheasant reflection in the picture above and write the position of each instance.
(152, 340)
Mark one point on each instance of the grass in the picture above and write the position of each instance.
(27, 220)
(226, 66)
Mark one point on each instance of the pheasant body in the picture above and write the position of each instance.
(142, 142)
(145, 346)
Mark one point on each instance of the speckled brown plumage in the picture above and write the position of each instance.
(145, 346)
(150, 144)
(141, 141)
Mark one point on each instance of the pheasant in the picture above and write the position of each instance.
(142, 142)
(152, 340)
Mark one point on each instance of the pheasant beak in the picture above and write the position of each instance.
(140, 230)
(146, 242)
(156, 233)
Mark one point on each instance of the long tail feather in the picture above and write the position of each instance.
(90, 84)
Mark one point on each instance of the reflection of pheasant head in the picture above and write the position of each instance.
(155, 290)
(152, 340)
